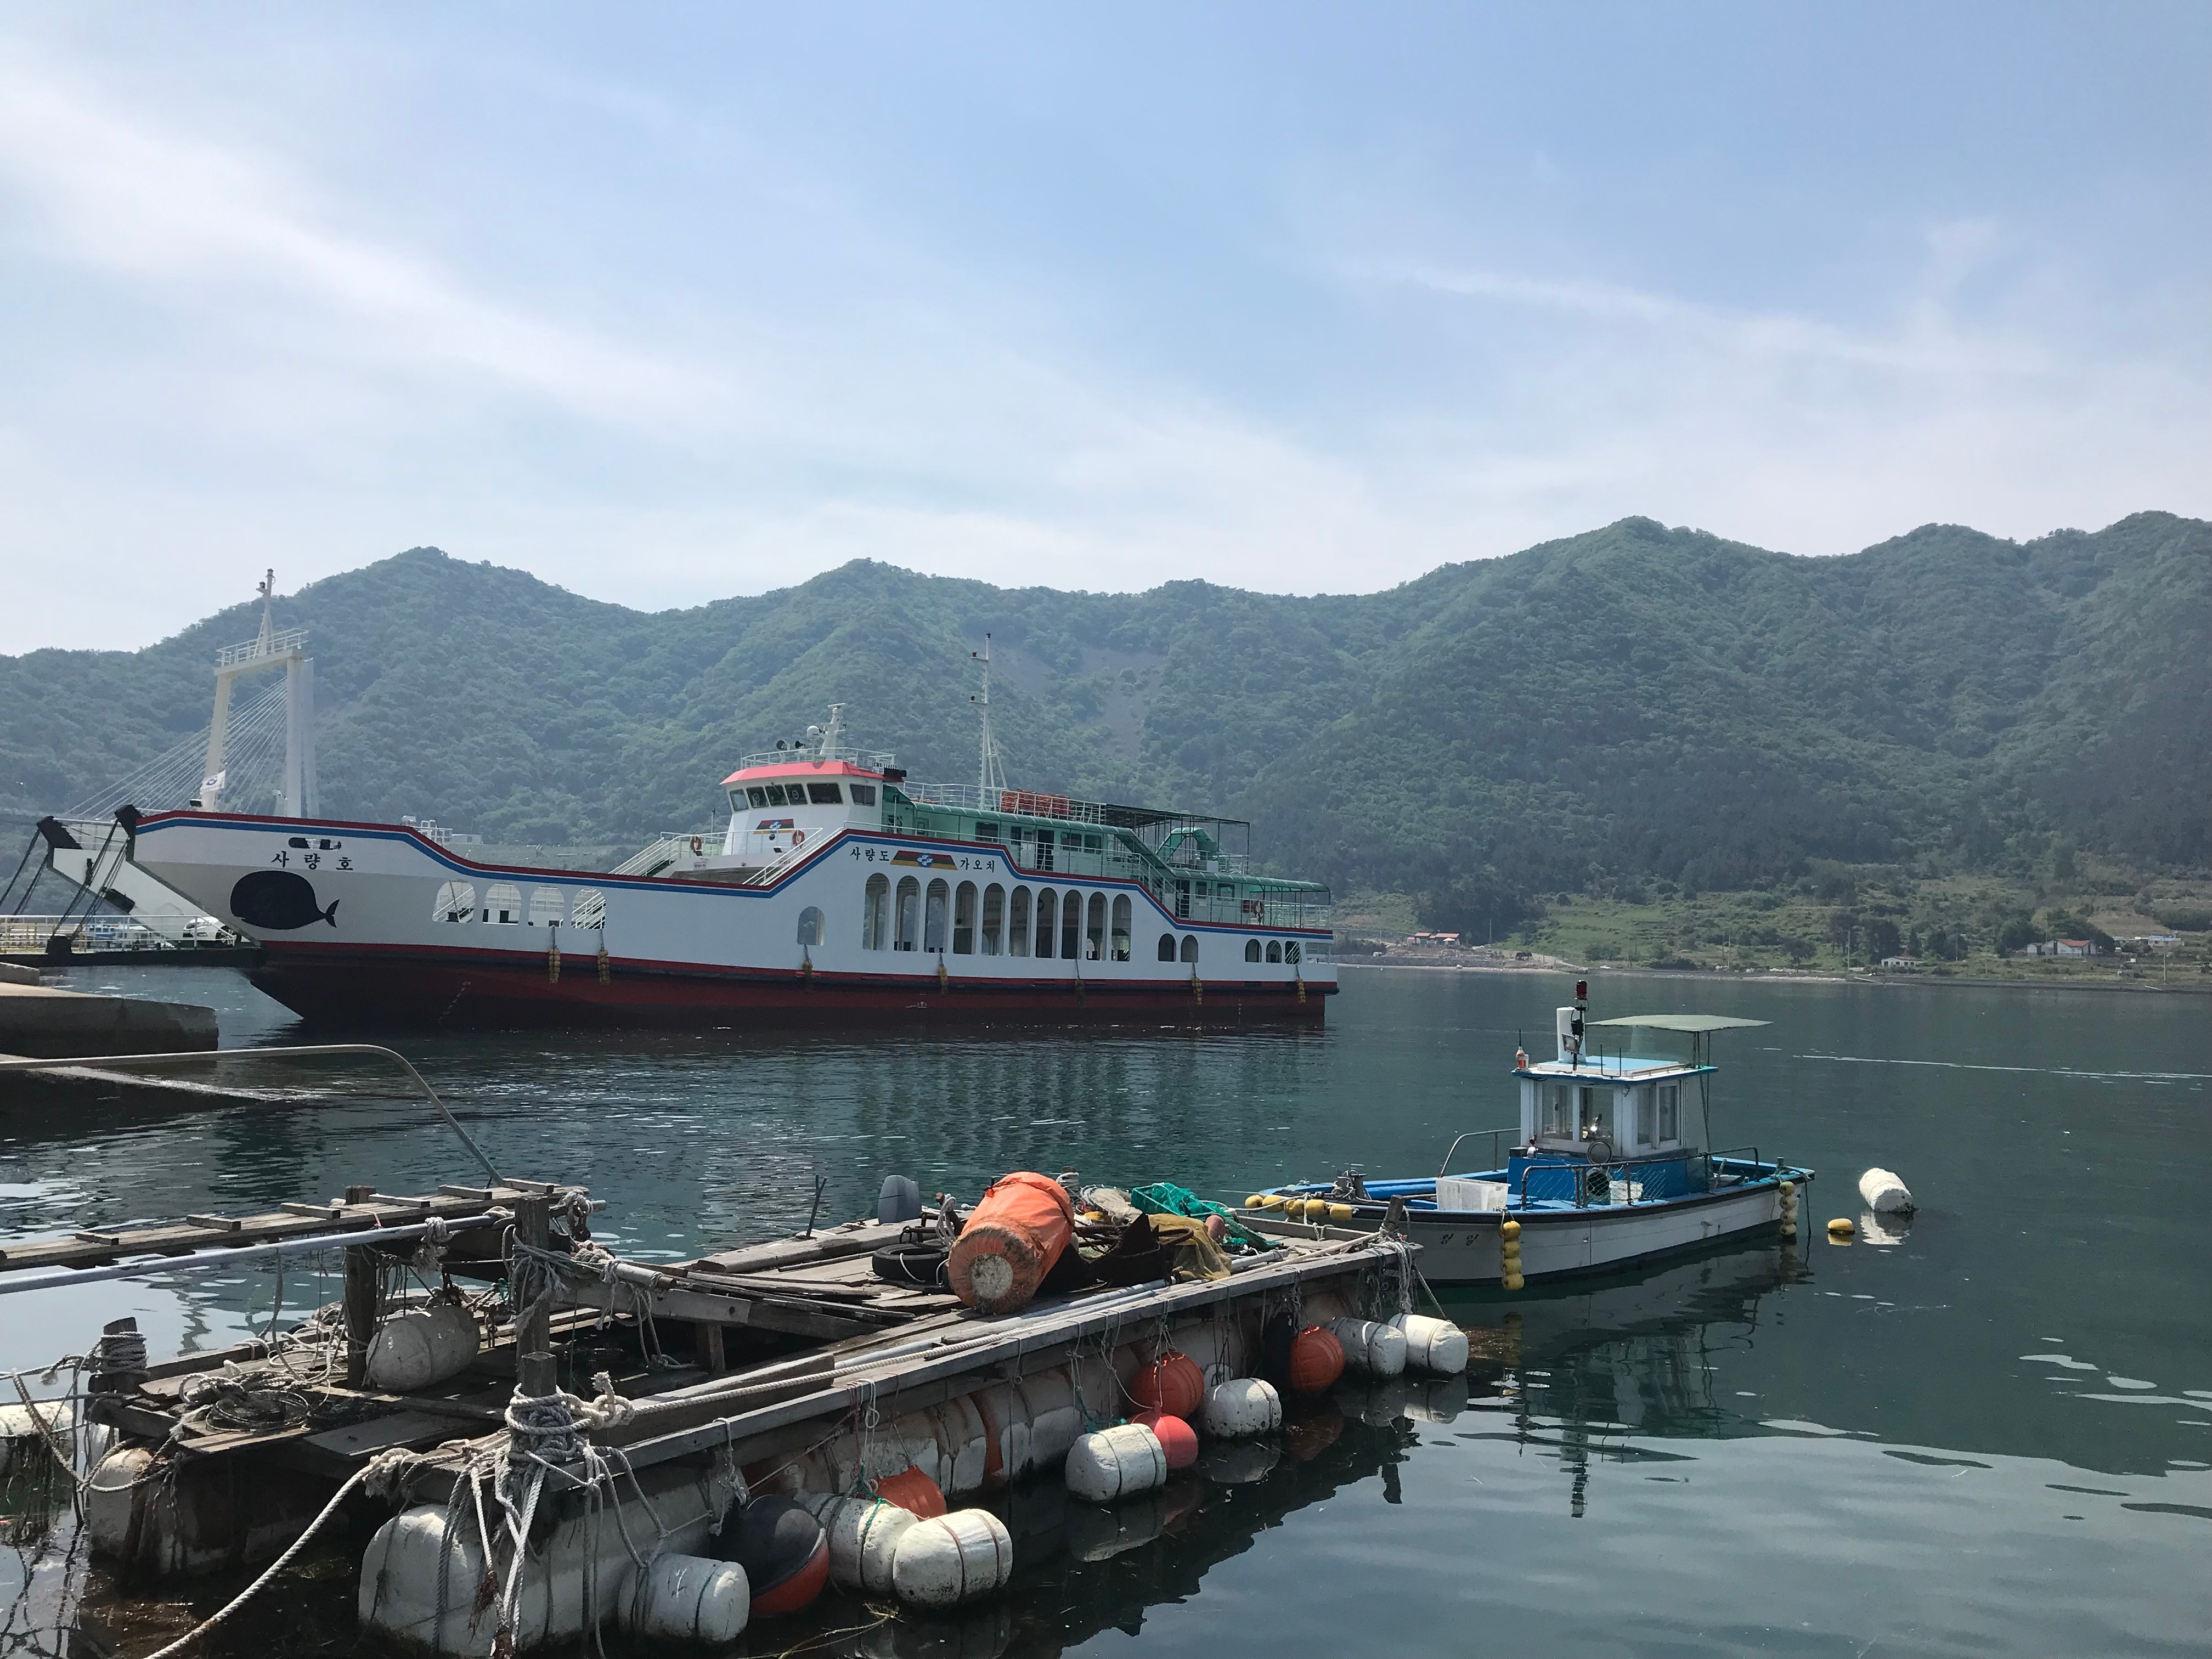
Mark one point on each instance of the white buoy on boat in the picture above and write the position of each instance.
(951, 1559)
(1885, 1194)
(1371, 1347)
(1242, 1407)
(421, 1346)
(1432, 1344)
(864, 1536)
(1116, 1462)
(688, 1598)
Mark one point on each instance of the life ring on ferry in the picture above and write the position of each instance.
(698, 845)
(797, 839)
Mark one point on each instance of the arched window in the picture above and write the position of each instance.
(1120, 927)
(1094, 930)
(1070, 926)
(876, 915)
(908, 914)
(811, 926)
(1048, 918)
(933, 923)
(546, 906)
(994, 919)
(1017, 924)
(1274, 950)
(1251, 950)
(503, 904)
(590, 909)
(963, 919)
(1167, 947)
(1291, 951)
(457, 901)
(1190, 947)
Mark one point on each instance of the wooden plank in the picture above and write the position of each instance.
(91, 1247)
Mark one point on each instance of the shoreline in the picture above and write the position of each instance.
(1978, 982)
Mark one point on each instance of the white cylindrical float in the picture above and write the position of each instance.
(1242, 1407)
(1432, 1344)
(688, 1598)
(952, 1559)
(421, 1346)
(1884, 1194)
(1369, 1346)
(1116, 1462)
(864, 1535)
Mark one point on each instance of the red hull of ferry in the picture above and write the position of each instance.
(405, 988)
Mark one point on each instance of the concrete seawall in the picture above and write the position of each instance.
(43, 1023)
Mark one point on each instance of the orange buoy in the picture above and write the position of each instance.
(1176, 1437)
(912, 1490)
(1316, 1360)
(1013, 1237)
(1172, 1383)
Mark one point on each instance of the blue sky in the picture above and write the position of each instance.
(664, 304)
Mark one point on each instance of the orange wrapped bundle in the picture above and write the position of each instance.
(1015, 1233)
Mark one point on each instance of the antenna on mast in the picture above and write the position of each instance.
(990, 769)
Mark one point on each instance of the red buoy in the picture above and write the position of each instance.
(1176, 1437)
(912, 1490)
(783, 1550)
(1316, 1360)
(1172, 1383)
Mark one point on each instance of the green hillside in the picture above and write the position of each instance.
(1636, 708)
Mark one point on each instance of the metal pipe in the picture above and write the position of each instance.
(397, 1059)
(223, 1256)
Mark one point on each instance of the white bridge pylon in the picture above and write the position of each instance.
(269, 649)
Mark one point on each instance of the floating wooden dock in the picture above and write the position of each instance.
(787, 1366)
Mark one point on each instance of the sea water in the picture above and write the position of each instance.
(1987, 1429)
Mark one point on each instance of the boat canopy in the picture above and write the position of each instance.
(1692, 1022)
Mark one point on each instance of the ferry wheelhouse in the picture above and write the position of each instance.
(1611, 1164)
(838, 889)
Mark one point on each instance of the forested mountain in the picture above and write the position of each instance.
(1633, 704)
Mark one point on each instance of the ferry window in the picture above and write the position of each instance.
(503, 904)
(1274, 950)
(1291, 951)
(775, 794)
(864, 794)
(824, 794)
(1094, 930)
(811, 926)
(932, 927)
(1071, 926)
(908, 914)
(987, 832)
(994, 918)
(964, 920)
(590, 909)
(876, 915)
(457, 901)
(1190, 947)
(1041, 854)
(1670, 1111)
(1251, 950)
(546, 906)
(736, 800)
(1048, 918)
(1122, 927)
(755, 794)
(1555, 1109)
(1017, 924)
(1167, 947)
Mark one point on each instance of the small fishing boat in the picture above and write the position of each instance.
(1611, 1164)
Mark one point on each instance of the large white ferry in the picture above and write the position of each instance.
(838, 890)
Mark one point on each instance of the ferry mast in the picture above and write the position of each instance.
(990, 767)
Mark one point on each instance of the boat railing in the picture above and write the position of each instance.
(1444, 1167)
(1585, 1184)
(665, 850)
(1713, 1160)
